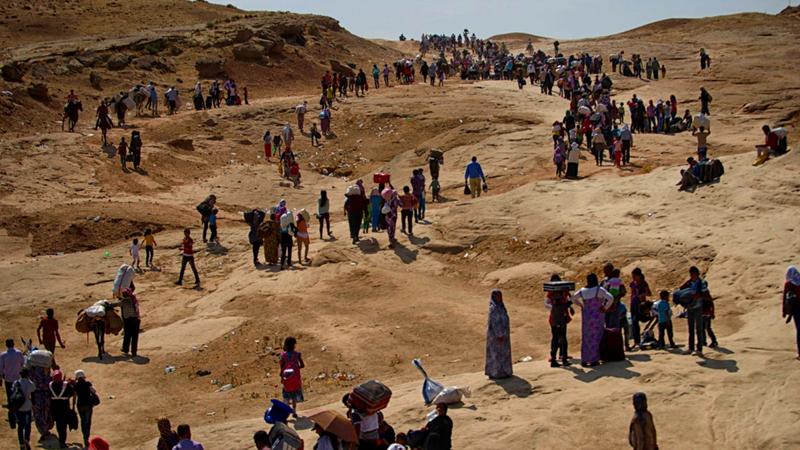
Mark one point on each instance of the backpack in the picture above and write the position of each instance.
(790, 302)
(204, 209)
(290, 374)
(17, 398)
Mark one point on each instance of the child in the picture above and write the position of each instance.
(290, 364)
(267, 145)
(664, 312)
(614, 284)
(435, 188)
(302, 237)
(134, 251)
(365, 224)
(187, 257)
(48, 331)
(122, 150)
(149, 244)
(294, 173)
(212, 224)
(314, 135)
(708, 315)
(276, 145)
(642, 432)
(618, 153)
(561, 313)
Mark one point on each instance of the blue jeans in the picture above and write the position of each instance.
(420, 211)
(23, 426)
(697, 331)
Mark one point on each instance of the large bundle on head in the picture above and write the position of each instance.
(39, 358)
(701, 120)
(123, 279)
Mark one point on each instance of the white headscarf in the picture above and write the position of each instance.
(793, 275)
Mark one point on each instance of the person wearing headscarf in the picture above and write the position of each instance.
(60, 393)
(83, 393)
(642, 434)
(168, 438)
(791, 301)
(270, 232)
(498, 339)
(593, 301)
(131, 320)
(375, 201)
(393, 202)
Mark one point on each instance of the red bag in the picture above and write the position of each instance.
(381, 177)
(290, 372)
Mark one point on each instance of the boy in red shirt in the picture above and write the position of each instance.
(48, 332)
(407, 204)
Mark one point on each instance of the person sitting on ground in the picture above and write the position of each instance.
(436, 435)
(771, 146)
(688, 179)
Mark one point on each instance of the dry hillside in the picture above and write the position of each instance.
(363, 312)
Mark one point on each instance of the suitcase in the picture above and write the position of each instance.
(612, 347)
(381, 177)
(556, 286)
(370, 397)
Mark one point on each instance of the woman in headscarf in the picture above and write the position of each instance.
(791, 301)
(392, 201)
(375, 208)
(269, 231)
(642, 434)
(498, 339)
(60, 394)
(168, 438)
(593, 301)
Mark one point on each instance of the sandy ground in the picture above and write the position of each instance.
(363, 312)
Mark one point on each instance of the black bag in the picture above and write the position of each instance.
(204, 209)
(94, 399)
(17, 397)
(466, 190)
(72, 419)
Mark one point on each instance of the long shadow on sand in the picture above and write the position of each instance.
(109, 359)
(406, 255)
(728, 365)
(516, 386)
(619, 369)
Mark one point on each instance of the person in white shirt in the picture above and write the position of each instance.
(11, 363)
(301, 110)
(288, 135)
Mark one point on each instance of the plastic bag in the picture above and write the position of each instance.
(451, 395)
(430, 388)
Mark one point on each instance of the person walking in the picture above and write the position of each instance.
(561, 313)
(131, 321)
(291, 362)
(48, 332)
(408, 203)
(301, 110)
(206, 208)
(498, 339)
(60, 394)
(256, 218)
(705, 99)
(354, 207)
(593, 300)
(187, 257)
(323, 213)
(86, 399)
(11, 363)
(473, 176)
(23, 415)
(694, 311)
(642, 432)
(791, 302)
(389, 211)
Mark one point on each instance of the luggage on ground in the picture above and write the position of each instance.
(612, 346)
(370, 397)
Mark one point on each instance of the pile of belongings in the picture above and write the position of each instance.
(435, 393)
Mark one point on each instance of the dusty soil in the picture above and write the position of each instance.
(363, 312)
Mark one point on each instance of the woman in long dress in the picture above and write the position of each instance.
(593, 301)
(270, 231)
(498, 339)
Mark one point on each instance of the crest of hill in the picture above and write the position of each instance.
(692, 28)
(793, 11)
(507, 37)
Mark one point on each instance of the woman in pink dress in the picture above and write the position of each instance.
(593, 301)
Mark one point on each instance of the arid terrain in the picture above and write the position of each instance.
(363, 312)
